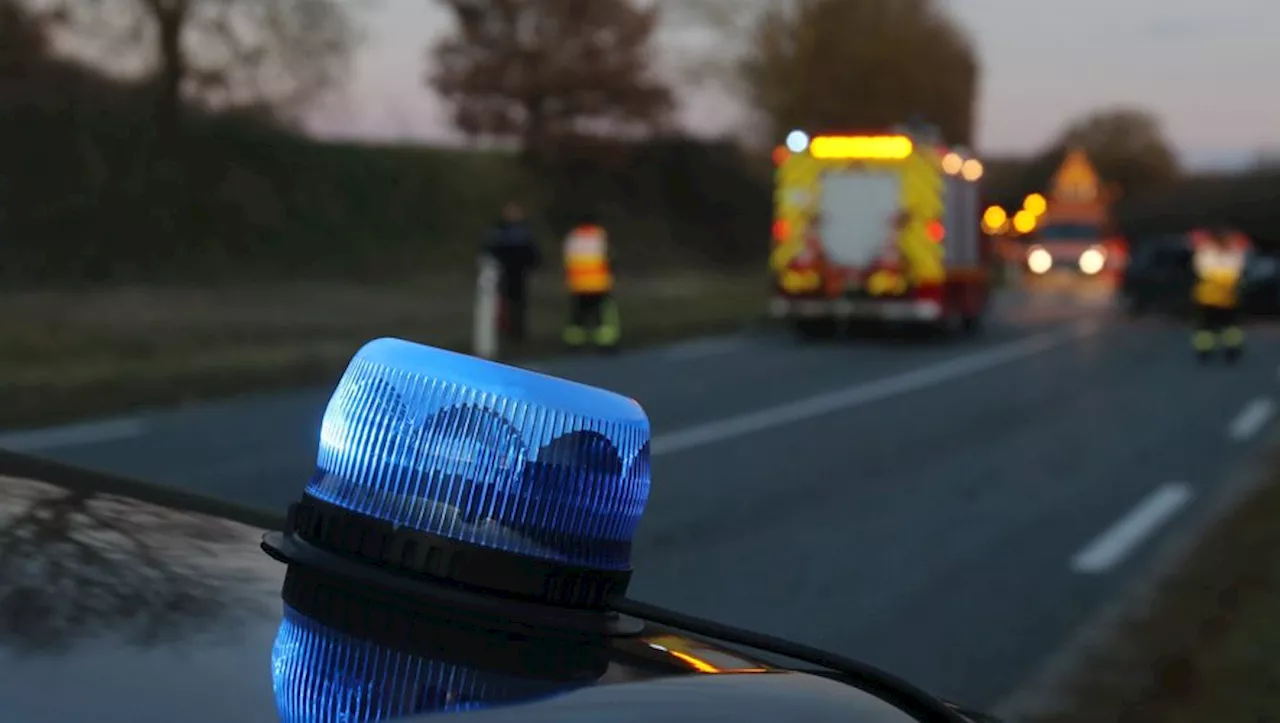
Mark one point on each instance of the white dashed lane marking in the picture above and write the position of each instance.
(1117, 542)
(1251, 419)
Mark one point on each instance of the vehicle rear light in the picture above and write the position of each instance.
(780, 230)
(929, 292)
(937, 231)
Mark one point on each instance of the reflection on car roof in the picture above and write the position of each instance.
(781, 697)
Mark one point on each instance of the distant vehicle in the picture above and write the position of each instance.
(1159, 278)
(1078, 248)
(881, 227)
(1262, 283)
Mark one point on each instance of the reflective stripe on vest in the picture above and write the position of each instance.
(586, 261)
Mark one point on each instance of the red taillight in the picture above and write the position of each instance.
(1116, 248)
(937, 231)
(780, 230)
(929, 292)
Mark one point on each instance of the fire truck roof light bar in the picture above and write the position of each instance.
(892, 148)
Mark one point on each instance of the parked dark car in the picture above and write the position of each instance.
(1160, 277)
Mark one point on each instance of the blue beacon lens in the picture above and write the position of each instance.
(486, 454)
(322, 675)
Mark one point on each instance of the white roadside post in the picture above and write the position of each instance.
(485, 329)
(1013, 262)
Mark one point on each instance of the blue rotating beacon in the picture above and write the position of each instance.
(461, 538)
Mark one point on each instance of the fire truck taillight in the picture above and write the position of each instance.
(937, 231)
(930, 292)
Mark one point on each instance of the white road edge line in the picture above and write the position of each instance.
(76, 435)
(1251, 419)
(1114, 545)
(700, 435)
(72, 435)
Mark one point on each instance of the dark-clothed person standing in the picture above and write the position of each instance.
(513, 246)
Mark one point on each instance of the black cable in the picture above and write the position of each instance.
(908, 697)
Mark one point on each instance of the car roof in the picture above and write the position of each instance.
(122, 610)
(783, 697)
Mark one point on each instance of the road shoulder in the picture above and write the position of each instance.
(104, 352)
(1161, 642)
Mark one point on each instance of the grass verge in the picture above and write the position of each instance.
(1204, 647)
(72, 355)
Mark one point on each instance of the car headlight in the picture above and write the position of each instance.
(1039, 260)
(1092, 261)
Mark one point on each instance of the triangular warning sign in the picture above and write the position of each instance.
(1076, 180)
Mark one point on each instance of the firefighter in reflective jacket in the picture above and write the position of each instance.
(589, 279)
(1219, 260)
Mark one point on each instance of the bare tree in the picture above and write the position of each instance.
(542, 73)
(853, 64)
(271, 55)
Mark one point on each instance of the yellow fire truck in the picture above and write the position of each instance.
(882, 226)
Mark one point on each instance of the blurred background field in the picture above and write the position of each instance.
(94, 351)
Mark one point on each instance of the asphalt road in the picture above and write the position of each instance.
(949, 511)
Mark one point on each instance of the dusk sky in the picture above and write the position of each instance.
(1203, 66)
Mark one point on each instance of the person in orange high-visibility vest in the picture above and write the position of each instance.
(589, 280)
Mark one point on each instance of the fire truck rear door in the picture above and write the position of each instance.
(857, 213)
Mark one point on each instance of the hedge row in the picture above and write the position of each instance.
(92, 197)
